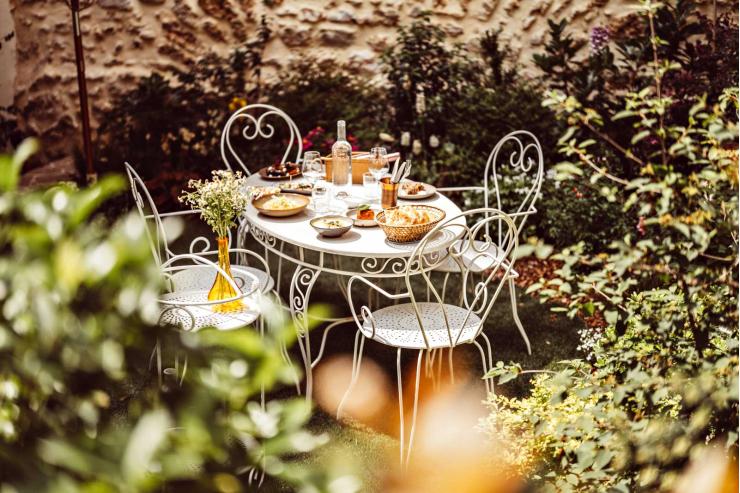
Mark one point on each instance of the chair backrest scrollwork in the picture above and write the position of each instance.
(524, 156)
(255, 121)
(469, 247)
(143, 200)
(159, 241)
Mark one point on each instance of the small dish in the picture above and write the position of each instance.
(363, 223)
(331, 226)
(301, 188)
(276, 172)
(411, 190)
(290, 204)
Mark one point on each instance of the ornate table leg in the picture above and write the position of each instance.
(301, 285)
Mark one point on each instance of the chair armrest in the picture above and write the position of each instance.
(375, 287)
(461, 189)
(529, 212)
(174, 213)
(365, 312)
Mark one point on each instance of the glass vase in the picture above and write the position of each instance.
(221, 288)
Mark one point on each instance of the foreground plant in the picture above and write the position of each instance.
(94, 395)
(659, 386)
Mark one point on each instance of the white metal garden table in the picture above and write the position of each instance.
(360, 252)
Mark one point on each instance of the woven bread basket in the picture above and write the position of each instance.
(413, 232)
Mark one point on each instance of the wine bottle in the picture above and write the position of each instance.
(341, 158)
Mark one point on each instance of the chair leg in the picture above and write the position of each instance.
(399, 382)
(261, 326)
(512, 293)
(356, 363)
(416, 405)
(452, 369)
(439, 366)
(324, 336)
(485, 366)
(429, 367)
(488, 347)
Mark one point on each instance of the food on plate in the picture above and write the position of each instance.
(412, 187)
(279, 202)
(259, 192)
(297, 187)
(406, 215)
(282, 170)
(331, 226)
(365, 213)
(331, 222)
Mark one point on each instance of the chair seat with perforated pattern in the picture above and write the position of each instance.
(191, 285)
(200, 277)
(398, 325)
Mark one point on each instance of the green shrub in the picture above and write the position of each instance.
(575, 212)
(457, 105)
(633, 420)
(317, 95)
(83, 406)
(659, 386)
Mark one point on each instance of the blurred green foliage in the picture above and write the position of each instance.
(94, 394)
(318, 94)
(457, 104)
(660, 385)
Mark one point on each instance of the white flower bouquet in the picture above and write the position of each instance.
(220, 200)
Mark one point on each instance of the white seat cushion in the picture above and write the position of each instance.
(398, 325)
(477, 261)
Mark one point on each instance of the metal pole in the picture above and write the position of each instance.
(82, 88)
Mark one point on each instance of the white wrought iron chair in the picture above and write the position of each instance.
(525, 157)
(255, 123)
(426, 322)
(252, 122)
(188, 275)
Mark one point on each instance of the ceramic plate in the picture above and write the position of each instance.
(302, 188)
(300, 201)
(428, 191)
(362, 223)
(263, 174)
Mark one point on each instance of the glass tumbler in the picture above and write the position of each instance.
(370, 184)
(320, 196)
(388, 193)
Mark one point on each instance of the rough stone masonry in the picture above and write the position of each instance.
(127, 39)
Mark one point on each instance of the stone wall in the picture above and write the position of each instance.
(126, 39)
(7, 54)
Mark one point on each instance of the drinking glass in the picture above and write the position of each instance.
(388, 193)
(320, 196)
(378, 164)
(313, 167)
(370, 184)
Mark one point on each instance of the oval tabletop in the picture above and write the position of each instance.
(357, 242)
